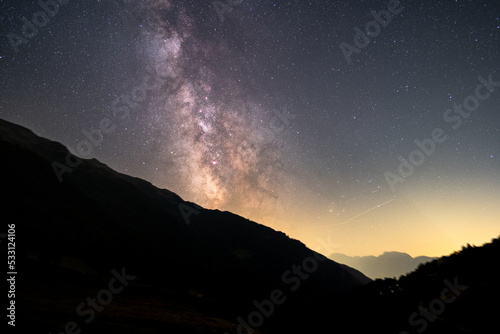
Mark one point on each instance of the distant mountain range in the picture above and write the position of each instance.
(455, 294)
(389, 264)
(103, 252)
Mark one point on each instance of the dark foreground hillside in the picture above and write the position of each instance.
(103, 252)
(195, 270)
(453, 294)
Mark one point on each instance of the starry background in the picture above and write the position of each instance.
(253, 108)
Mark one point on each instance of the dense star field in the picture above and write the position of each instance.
(357, 127)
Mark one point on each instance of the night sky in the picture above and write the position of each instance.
(274, 110)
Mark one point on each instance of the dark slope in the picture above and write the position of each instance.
(198, 278)
(412, 304)
(97, 220)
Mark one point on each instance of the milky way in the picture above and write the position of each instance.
(289, 113)
(215, 141)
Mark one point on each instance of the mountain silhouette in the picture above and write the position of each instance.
(454, 294)
(389, 264)
(103, 252)
(72, 234)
